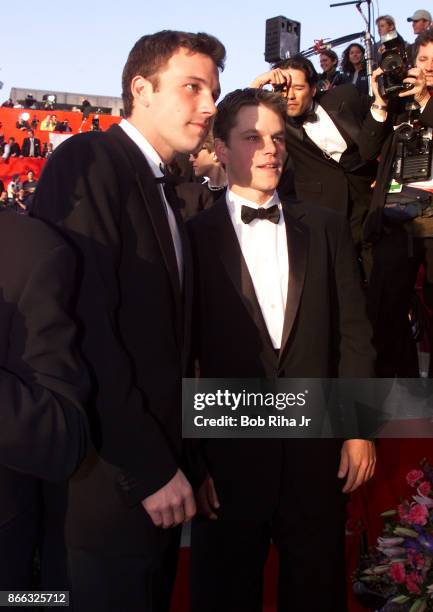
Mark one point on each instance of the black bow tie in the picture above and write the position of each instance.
(298, 122)
(272, 214)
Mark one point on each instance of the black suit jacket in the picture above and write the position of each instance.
(43, 382)
(98, 189)
(25, 149)
(344, 186)
(326, 334)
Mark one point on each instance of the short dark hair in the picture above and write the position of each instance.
(331, 54)
(298, 62)
(151, 52)
(423, 39)
(346, 64)
(231, 104)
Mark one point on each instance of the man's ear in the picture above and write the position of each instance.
(142, 90)
(313, 91)
(221, 150)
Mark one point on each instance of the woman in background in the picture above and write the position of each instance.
(353, 66)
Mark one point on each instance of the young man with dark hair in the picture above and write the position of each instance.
(105, 192)
(276, 278)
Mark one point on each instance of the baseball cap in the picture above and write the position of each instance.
(420, 14)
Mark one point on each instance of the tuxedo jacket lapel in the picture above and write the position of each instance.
(298, 240)
(226, 244)
(345, 121)
(156, 209)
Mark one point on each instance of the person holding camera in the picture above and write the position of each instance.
(399, 222)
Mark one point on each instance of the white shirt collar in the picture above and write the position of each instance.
(152, 157)
(235, 203)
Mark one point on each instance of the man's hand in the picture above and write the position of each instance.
(358, 460)
(375, 87)
(419, 90)
(173, 504)
(207, 499)
(273, 77)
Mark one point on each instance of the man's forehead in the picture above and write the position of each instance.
(298, 76)
(248, 118)
(426, 49)
(185, 59)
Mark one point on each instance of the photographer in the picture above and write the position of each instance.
(400, 210)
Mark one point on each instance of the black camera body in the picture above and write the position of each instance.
(413, 154)
(395, 64)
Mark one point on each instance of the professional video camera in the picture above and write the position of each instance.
(395, 64)
(413, 153)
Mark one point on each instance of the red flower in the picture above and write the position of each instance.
(398, 573)
(412, 582)
(424, 488)
(418, 514)
(413, 477)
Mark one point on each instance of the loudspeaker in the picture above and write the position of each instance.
(283, 38)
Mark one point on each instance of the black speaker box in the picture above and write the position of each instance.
(283, 38)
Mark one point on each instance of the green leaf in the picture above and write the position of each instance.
(419, 606)
(405, 531)
(388, 513)
(400, 599)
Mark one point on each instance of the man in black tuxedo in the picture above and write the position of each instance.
(31, 146)
(105, 192)
(43, 386)
(278, 295)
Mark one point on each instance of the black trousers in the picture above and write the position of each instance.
(18, 541)
(307, 528)
(114, 583)
(32, 547)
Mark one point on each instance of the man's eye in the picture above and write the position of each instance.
(278, 139)
(192, 86)
(252, 137)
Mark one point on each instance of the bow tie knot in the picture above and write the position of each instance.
(272, 214)
(299, 121)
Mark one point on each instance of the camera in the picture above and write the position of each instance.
(413, 154)
(395, 64)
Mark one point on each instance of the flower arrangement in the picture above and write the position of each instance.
(397, 576)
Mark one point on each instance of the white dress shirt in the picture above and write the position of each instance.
(156, 165)
(264, 248)
(325, 134)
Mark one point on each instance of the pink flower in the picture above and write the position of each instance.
(413, 477)
(418, 515)
(397, 573)
(424, 488)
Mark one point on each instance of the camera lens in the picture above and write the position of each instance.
(391, 62)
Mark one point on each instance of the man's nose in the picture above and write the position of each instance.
(208, 105)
